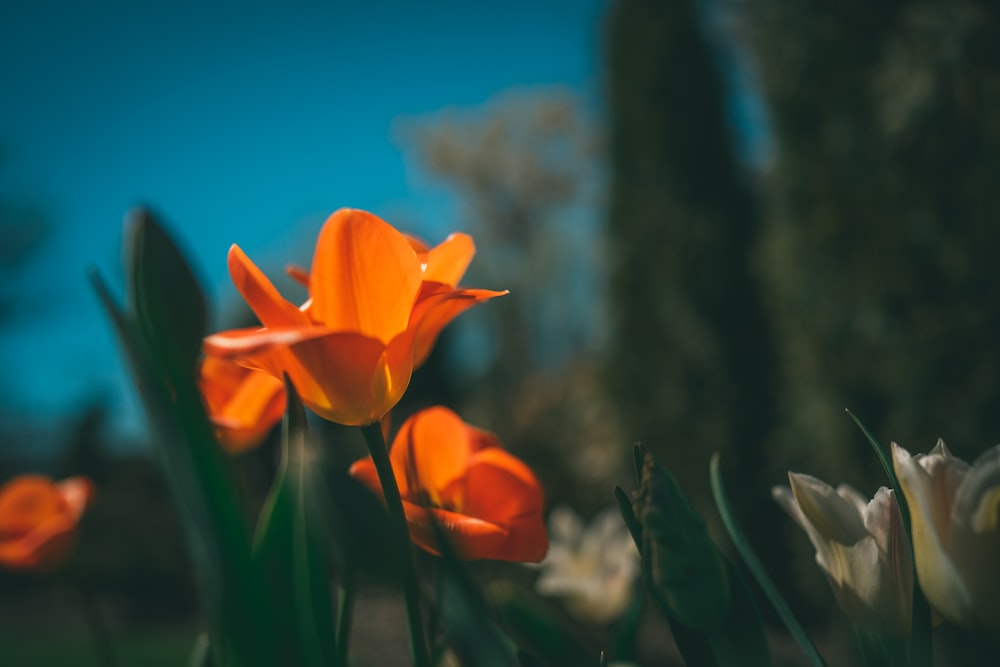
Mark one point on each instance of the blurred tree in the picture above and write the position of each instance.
(526, 171)
(882, 226)
(692, 357)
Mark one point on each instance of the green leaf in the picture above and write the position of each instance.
(639, 459)
(741, 640)
(757, 569)
(292, 547)
(534, 626)
(161, 335)
(470, 630)
(710, 610)
(201, 652)
(359, 530)
(628, 514)
(165, 297)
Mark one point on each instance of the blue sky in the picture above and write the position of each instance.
(241, 122)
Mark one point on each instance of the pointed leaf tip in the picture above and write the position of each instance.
(164, 294)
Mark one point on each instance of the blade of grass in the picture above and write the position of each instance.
(291, 542)
(757, 569)
(886, 460)
(921, 637)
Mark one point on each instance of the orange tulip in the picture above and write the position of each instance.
(38, 520)
(376, 306)
(457, 482)
(243, 404)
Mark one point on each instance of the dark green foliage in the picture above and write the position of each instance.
(160, 331)
(881, 225)
(856, 270)
(292, 544)
(757, 569)
(711, 611)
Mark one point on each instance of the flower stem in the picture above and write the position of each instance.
(97, 627)
(345, 611)
(401, 536)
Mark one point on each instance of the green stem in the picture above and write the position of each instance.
(98, 628)
(345, 611)
(401, 536)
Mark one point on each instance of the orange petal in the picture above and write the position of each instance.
(502, 490)
(364, 471)
(26, 502)
(243, 404)
(38, 520)
(344, 377)
(471, 538)
(241, 343)
(418, 246)
(43, 548)
(504, 487)
(298, 274)
(446, 263)
(430, 452)
(365, 276)
(263, 298)
(437, 307)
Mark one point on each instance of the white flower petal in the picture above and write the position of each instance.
(834, 518)
(928, 482)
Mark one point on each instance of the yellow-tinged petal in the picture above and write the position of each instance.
(929, 484)
(986, 518)
(368, 281)
(344, 377)
(365, 276)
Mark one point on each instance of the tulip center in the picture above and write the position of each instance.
(435, 500)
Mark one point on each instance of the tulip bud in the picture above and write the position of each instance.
(956, 533)
(38, 520)
(860, 546)
(683, 569)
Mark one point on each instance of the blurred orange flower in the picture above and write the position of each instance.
(38, 520)
(377, 303)
(243, 404)
(456, 481)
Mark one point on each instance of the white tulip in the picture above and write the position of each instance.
(594, 568)
(860, 546)
(956, 532)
